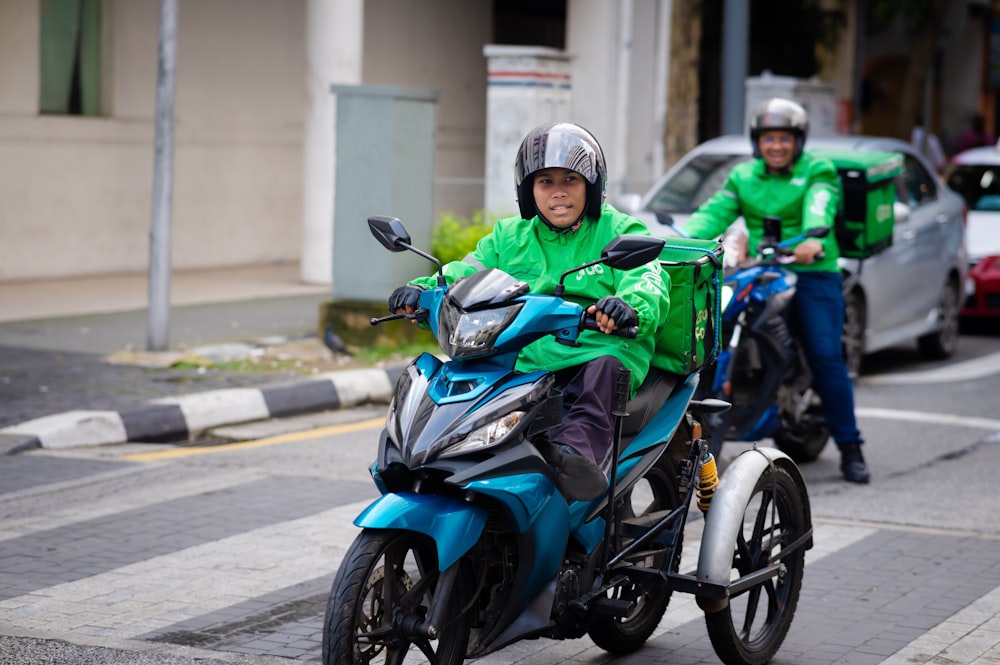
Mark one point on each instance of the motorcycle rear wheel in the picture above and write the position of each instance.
(656, 492)
(389, 579)
(752, 627)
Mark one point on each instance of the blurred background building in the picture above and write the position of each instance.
(255, 132)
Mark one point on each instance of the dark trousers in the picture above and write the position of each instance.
(819, 315)
(588, 403)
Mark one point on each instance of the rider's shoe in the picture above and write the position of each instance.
(852, 463)
(577, 478)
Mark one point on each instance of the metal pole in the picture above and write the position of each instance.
(163, 163)
(735, 40)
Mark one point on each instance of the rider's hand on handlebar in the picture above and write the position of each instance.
(611, 312)
(805, 252)
(405, 299)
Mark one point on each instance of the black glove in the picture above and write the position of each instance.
(405, 296)
(619, 310)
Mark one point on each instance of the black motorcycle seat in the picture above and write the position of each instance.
(650, 396)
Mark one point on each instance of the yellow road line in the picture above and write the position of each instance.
(292, 437)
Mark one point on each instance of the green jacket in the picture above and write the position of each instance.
(804, 199)
(530, 251)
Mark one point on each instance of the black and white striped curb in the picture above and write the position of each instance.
(184, 417)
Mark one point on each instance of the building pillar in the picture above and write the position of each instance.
(333, 56)
(526, 86)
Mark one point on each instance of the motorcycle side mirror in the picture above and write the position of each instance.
(631, 251)
(772, 227)
(394, 237)
(623, 253)
(390, 232)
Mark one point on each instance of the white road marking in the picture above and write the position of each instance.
(930, 418)
(975, 368)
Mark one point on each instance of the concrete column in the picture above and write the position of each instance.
(333, 56)
(526, 86)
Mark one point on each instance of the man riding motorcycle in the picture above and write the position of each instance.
(787, 182)
(560, 178)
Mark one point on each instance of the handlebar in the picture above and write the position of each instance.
(419, 315)
(589, 322)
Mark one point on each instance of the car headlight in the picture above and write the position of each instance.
(487, 435)
(463, 334)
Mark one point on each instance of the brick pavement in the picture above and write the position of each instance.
(244, 566)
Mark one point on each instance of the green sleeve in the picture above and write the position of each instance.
(485, 255)
(714, 216)
(819, 206)
(646, 288)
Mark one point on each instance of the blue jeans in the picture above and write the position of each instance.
(818, 315)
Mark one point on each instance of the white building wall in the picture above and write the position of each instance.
(76, 192)
(438, 44)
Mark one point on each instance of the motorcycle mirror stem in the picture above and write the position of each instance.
(391, 233)
(623, 253)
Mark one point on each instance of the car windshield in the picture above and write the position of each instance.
(692, 185)
(979, 185)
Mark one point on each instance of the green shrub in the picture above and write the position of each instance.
(453, 237)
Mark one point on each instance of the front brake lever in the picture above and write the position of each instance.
(419, 315)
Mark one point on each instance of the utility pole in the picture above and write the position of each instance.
(158, 317)
(735, 51)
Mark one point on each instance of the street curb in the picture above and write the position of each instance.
(174, 419)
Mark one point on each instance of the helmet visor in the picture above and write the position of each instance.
(562, 146)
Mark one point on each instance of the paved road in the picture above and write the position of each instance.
(172, 555)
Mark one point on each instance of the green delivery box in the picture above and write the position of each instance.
(868, 182)
(689, 338)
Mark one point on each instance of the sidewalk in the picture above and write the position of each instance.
(74, 370)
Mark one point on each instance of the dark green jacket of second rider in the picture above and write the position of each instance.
(530, 251)
(804, 198)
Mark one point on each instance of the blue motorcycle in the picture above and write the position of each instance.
(761, 369)
(471, 546)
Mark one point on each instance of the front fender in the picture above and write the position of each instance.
(453, 525)
(725, 517)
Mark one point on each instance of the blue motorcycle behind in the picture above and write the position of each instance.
(471, 546)
(762, 370)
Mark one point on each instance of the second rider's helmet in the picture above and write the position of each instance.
(560, 145)
(779, 113)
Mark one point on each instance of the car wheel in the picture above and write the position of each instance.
(942, 343)
(853, 335)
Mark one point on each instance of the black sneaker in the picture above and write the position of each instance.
(577, 478)
(852, 463)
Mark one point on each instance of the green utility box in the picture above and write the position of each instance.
(868, 188)
(689, 339)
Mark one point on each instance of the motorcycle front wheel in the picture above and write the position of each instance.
(803, 444)
(386, 586)
(752, 627)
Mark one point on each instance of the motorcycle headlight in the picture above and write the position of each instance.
(725, 296)
(465, 334)
(487, 435)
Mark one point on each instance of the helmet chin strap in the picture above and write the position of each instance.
(564, 229)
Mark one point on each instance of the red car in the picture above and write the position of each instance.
(975, 174)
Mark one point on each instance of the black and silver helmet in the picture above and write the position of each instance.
(560, 145)
(779, 113)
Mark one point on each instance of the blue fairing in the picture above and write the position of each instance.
(535, 508)
(454, 525)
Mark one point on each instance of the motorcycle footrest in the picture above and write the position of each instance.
(612, 607)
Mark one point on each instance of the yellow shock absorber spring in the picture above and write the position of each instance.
(707, 482)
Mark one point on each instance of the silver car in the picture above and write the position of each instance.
(911, 290)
